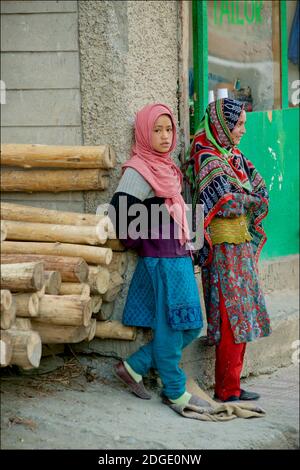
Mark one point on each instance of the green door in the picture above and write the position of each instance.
(244, 50)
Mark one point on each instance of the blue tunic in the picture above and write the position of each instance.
(179, 287)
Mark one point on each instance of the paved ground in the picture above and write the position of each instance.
(82, 406)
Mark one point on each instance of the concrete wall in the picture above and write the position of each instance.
(128, 58)
(40, 69)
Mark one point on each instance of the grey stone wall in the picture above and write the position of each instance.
(128, 58)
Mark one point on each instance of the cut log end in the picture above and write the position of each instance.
(108, 256)
(6, 299)
(8, 316)
(102, 230)
(111, 157)
(27, 304)
(53, 282)
(6, 349)
(34, 349)
(27, 348)
(87, 312)
(33, 305)
(92, 330)
(3, 231)
(96, 303)
(38, 276)
(102, 281)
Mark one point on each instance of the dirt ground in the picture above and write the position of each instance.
(75, 402)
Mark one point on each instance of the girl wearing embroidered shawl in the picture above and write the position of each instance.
(235, 201)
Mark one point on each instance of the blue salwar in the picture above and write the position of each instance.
(163, 295)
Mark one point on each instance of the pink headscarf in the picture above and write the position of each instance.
(157, 168)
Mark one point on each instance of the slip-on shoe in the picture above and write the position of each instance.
(194, 401)
(136, 387)
(244, 395)
(249, 395)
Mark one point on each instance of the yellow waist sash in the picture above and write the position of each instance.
(229, 230)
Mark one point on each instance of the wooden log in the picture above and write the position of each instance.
(5, 349)
(115, 280)
(96, 303)
(92, 330)
(58, 334)
(35, 231)
(111, 233)
(22, 213)
(115, 285)
(23, 324)
(6, 299)
(111, 294)
(91, 254)
(115, 245)
(52, 282)
(98, 279)
(3, 231)
(118, 263)
(26, 348)
(106, 311)
(71, 268)
(8, 316)
(53, 181)
(102, 229)
(75, 288)
(27, 305)
(113, 329)
(22, 276)
(59, 156)
(41, 292)
(69, 310)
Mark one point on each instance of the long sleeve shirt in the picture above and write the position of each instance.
(141, 219)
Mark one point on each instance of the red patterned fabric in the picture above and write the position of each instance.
(234, 271)
(229, 359)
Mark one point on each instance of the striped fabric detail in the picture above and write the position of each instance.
(134, 184)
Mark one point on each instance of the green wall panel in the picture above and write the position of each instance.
(272, 144)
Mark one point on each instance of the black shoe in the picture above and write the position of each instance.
(244, 395)
(231, 398)
(249, 395)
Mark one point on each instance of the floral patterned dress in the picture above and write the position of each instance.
(233, 269)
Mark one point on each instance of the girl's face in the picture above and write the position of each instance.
(162, 134)
(239, 130)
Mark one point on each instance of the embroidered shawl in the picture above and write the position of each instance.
(217, 172)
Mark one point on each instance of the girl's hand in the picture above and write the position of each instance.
(197, 269)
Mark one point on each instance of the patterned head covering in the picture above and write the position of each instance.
(223, 116)
(216, 172)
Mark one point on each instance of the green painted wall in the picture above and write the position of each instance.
(272, 144)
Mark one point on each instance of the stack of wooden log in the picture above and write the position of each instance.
(60, 271)
(55, 168)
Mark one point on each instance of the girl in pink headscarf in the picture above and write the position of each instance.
(163, 294)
